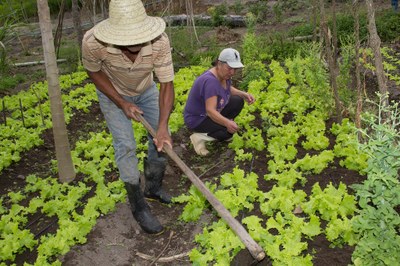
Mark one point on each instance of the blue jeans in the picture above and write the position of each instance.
(395, 5)
(123, 135)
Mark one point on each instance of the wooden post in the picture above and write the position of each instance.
(40, 106)
(41, 112)
(375, 44)
(4, 113)
(59, 29)
(65, 164)
(22, 112)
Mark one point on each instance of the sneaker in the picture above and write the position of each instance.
(229, 140)
(199, 142)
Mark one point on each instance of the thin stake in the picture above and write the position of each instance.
(4, 113)
(22, 112)
(41, 112)
(40, 104)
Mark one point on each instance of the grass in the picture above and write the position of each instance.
(10, 82)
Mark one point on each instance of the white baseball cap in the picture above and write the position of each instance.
(231, 57)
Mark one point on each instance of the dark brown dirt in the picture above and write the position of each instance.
(117, 239)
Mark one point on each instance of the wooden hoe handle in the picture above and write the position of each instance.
(255, 250)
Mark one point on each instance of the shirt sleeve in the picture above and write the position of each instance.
(163, 66)
(210, 88)
(91, 53)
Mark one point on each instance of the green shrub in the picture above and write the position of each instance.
(27, 9)
(255, 70)
(292, 4)
(347, 94)
(301, 30)
(251, 47)
(280, 47)
(278, 12)
(69, 50)
(3, 59)
(345, 26)
(237, 7)
(275, 46)
(388, 26)
(260, 10)
(386, 23)
(186, 49)
(18, 10)
(4, 32)
(251, 22)
(217, 14)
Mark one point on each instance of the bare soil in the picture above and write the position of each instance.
(117, 239)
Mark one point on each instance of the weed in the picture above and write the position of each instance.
(301, 30)
(69, 50)
(26, 10)
(251, 22)
(3, 59)
(346, 94)
(278, 12)
(217, 14)
(4, 32)
(9, 82)
(388, 26)
(386, 23)
(237, 7)
(260, 10)
(187, 51)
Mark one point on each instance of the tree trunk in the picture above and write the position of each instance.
(94, 11)
(63, 152)
(357, 60)
(77, 22)
(375, 43)
(314, 19)
(58, 34)
(334, 35)
(104, 9)
(178, 6)
(190, 21)
(333, 72)
(335, 65)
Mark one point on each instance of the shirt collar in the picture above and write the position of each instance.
(146, 50)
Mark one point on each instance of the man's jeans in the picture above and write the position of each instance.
(122, 132)
(395, 5)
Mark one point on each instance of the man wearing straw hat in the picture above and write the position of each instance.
(120, 55)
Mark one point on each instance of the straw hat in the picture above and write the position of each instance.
(128, 24)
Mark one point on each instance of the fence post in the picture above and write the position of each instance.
(4, 113)
(22, 112)
(40, 105)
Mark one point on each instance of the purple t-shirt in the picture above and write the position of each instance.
(204, 87)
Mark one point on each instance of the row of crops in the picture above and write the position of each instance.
(364, 216)
(366, 219)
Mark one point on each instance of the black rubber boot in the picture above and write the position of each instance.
(154, 173)
(141, 211)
